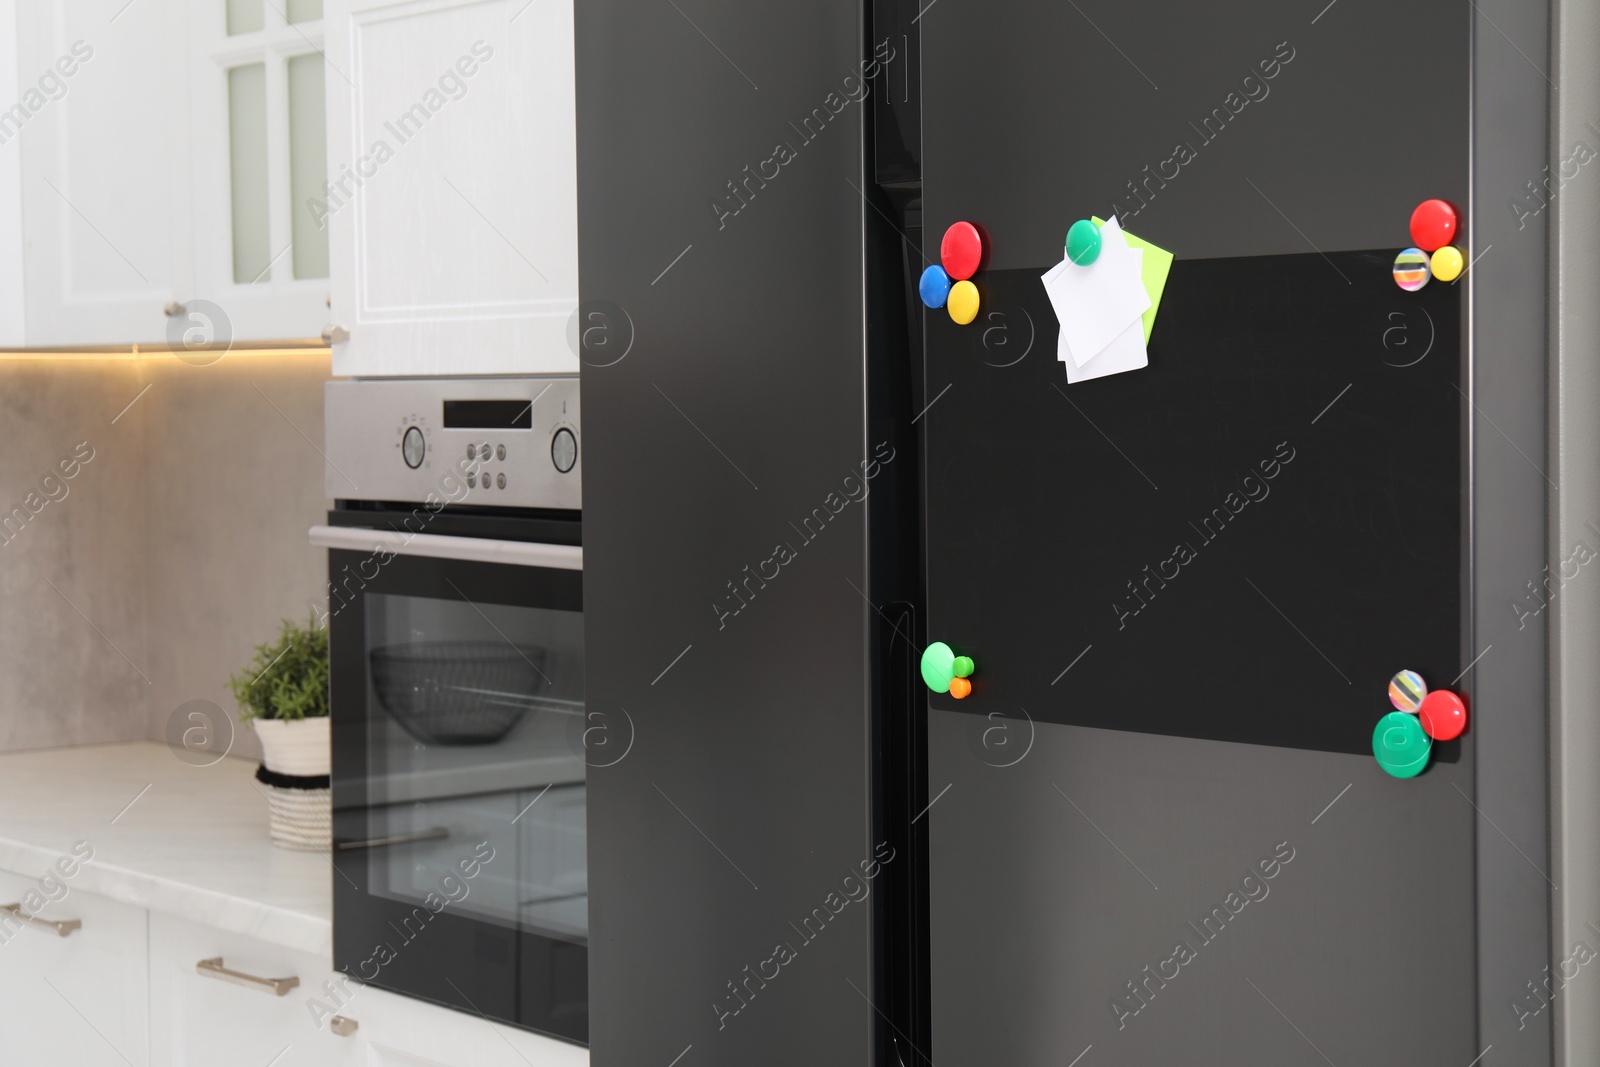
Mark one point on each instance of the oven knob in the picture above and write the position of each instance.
(413, 448)
(564, 450)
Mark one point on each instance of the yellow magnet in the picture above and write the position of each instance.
(962, 303)
(1447, 263)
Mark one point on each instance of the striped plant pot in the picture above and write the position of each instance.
(294, 775)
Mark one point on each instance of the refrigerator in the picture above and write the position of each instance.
(1155, 831)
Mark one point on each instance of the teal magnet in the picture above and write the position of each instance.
(1083, 242)
(1400, 745)
(938, 666)
(964, 667)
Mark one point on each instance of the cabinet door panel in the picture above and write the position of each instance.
(74, 1001)
(278, 289)
(104, 188)
(453, 240)
(399, 1032)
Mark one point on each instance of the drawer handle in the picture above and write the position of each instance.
(342, 1026)
(62, 927)
(213, 968)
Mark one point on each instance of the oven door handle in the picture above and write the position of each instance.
(471, 549)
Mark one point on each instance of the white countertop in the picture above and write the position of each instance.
(193, 844)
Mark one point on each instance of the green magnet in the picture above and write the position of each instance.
(1083, 242)
(964, 667)
(1400, 745)
(938, 666)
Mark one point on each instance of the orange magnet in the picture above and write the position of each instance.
(960, 688)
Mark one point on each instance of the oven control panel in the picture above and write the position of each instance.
(500, 442)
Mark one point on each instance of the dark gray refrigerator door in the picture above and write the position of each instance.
(1160, 835)
(730, 471)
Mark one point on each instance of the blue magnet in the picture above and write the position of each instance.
(934, 288)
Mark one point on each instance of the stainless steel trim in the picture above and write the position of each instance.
(1574, 465)
(471, 549)
(438, 833)
(213, 968)
(342, 1026)
(62, 927)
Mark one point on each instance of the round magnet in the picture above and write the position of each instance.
(960, 688)
(1433, 224)
(1406, 691)
(1446, 263)
(1400, 745)
(938, 666)
(961, 250)
(1411, 269)
(962, 302)
(964, 667)
(1443, 715)
(1083, 242)
(934, 287)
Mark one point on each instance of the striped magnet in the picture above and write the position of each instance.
(1406, 691)
(1411, 269)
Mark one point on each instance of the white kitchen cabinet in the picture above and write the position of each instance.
(132, 210)
(452, 208)
(259, 161)
(203, 1021)
(99, 139)
(79, 1000)
(399, 1032)
(200, 1021)
(123, 988)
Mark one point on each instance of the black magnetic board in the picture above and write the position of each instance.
(1056, 512)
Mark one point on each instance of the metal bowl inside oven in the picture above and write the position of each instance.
(457, 692)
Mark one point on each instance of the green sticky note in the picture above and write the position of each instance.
(1157, 265)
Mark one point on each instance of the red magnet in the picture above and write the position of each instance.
(1443, 715)
(1433, 225)
(961, 250)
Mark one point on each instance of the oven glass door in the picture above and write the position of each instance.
(460, 849)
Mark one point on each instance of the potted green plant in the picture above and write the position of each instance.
(283, 696)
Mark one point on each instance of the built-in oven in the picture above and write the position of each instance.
(455, 617)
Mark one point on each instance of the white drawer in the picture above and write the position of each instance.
(205, 1020)
(79, 1000)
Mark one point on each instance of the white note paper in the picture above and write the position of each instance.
(1126, 353)
(1096, 303)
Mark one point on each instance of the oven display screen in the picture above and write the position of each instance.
(488, 414)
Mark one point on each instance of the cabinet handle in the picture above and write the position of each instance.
(342, 1026)
(62, 927)
(335, 335)
(213, 968)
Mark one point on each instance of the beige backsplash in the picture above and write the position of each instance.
(176, 547)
